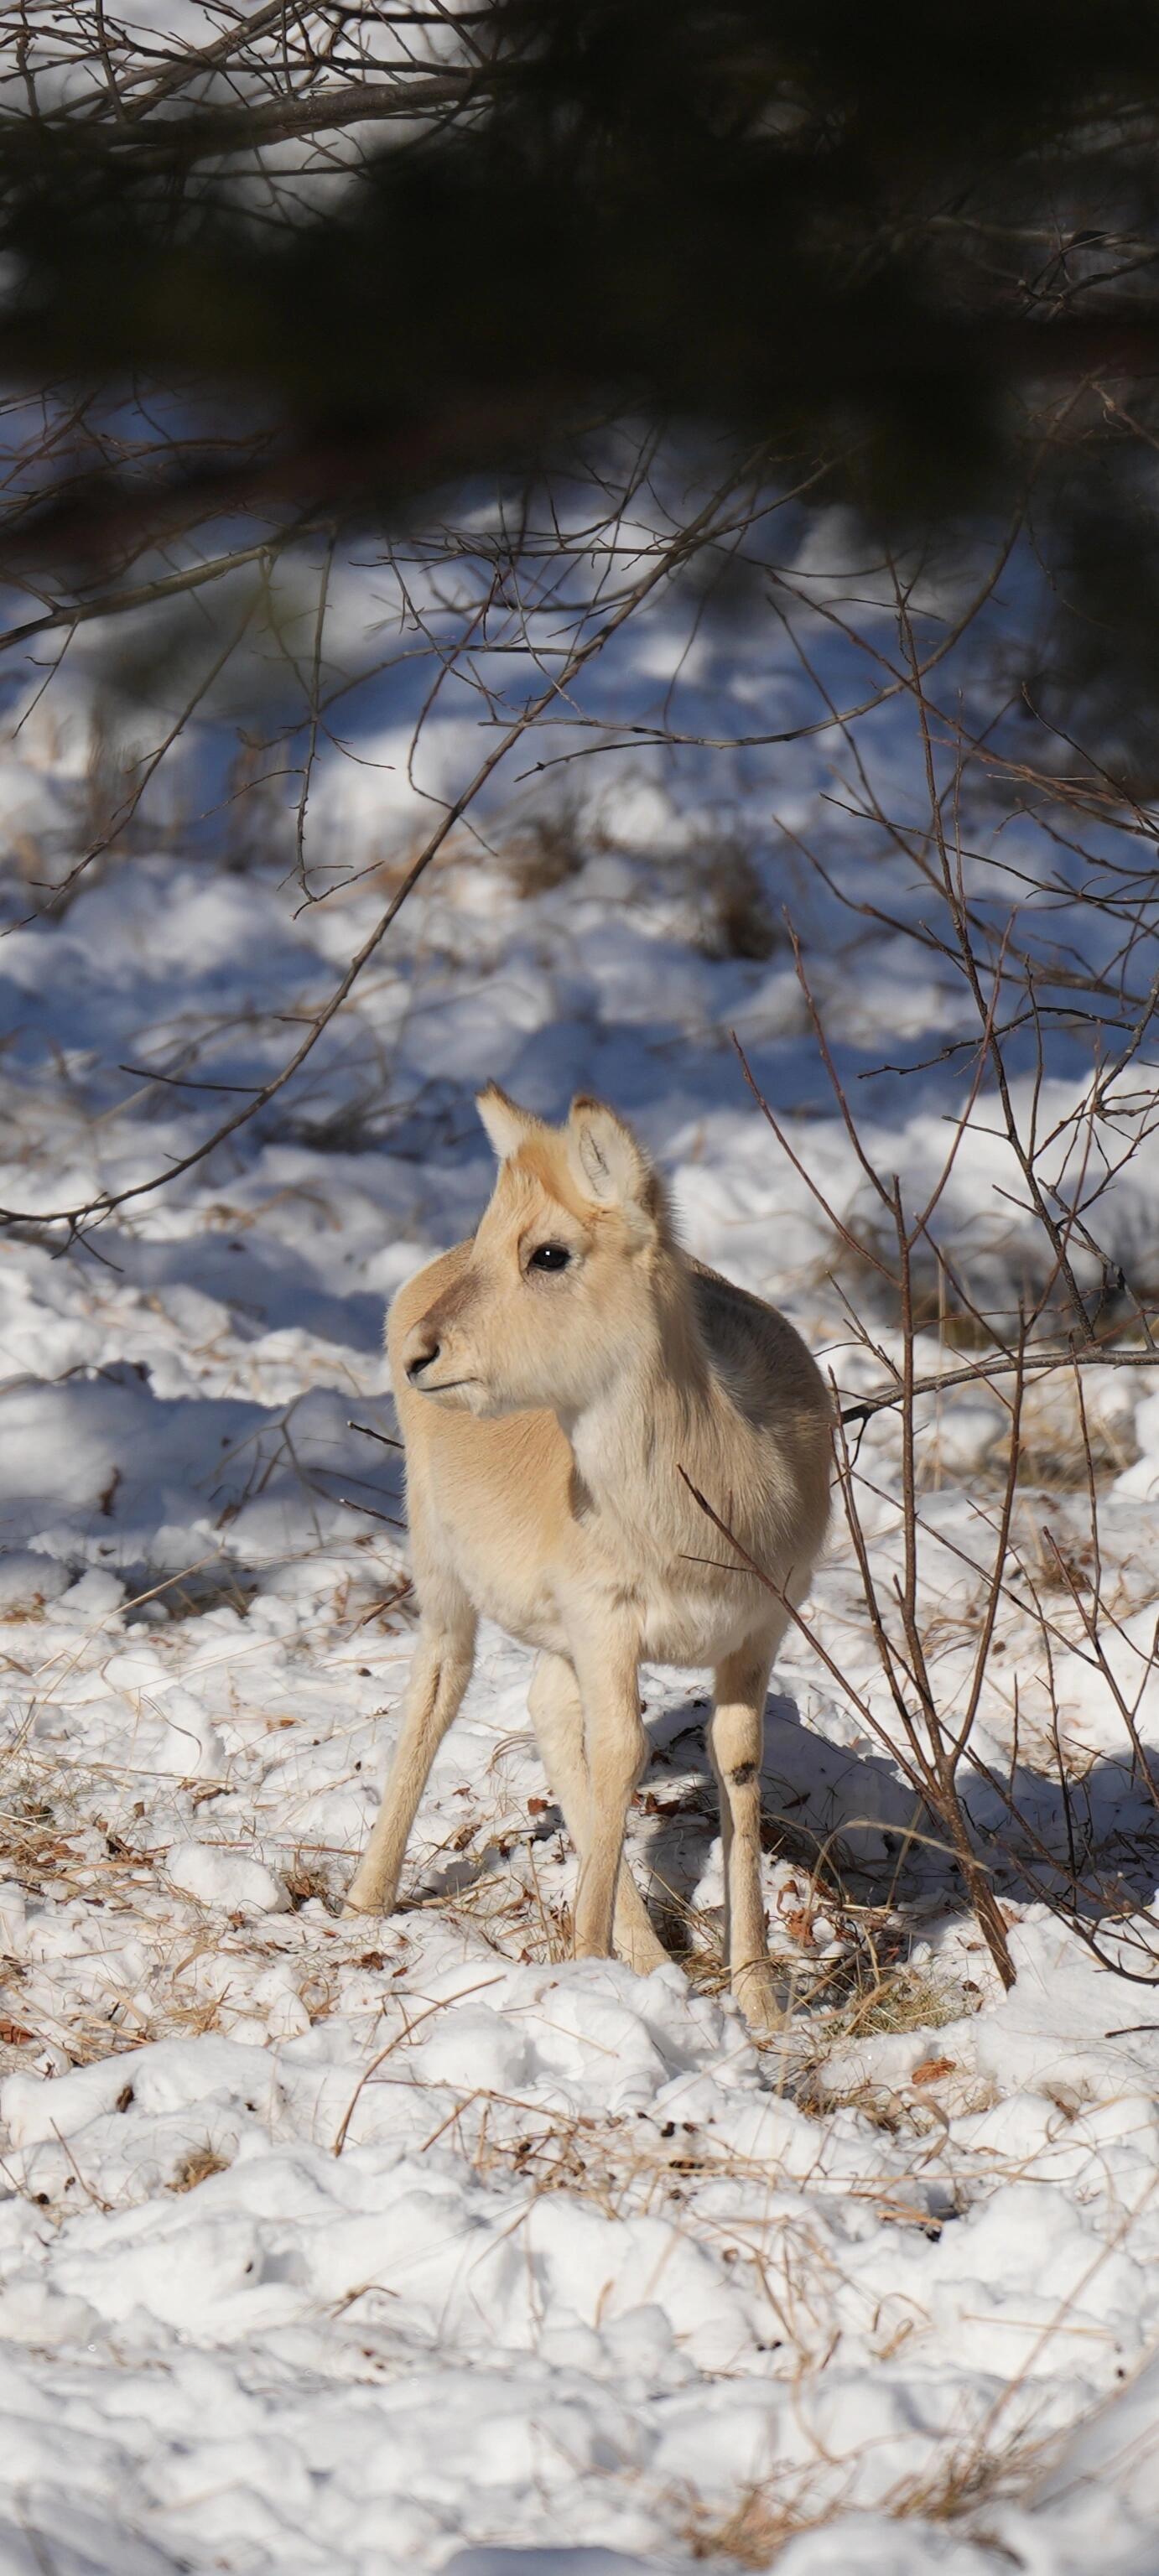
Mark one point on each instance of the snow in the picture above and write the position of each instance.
(225, 1878)
(352, 2246)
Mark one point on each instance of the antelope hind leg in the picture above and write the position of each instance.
(736, 1742)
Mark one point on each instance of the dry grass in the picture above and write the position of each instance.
(69, 1834)
(752, 2533)
(312, 1880)
(1064, 1440)
(220, 1586)
(755, 2529)
(896, 2001)
(903, 1999)
(735, 916)
(196, 2167)
(545, 852)
(52, 1831)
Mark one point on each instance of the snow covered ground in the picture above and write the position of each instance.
(356, 2248)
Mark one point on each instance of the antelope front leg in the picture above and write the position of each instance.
(736, 1741)
(607, 1670)
(439, 1674)
(557, 1716)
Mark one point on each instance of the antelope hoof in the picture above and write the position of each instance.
(364, 1900)
(642, 1953)
(753, 1991)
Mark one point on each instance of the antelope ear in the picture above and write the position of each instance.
(506, 1124)
(607, 1161)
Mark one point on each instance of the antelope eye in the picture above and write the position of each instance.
(549, 1256)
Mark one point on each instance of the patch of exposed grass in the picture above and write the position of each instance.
(764, 2517)
(737, 920)
(196, 2167)
(903, 1999)
(546, 851)
(752, 2533)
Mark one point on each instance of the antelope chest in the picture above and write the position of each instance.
(684, 1613)
(684, 1623)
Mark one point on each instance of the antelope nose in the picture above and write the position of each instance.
(421, 1350)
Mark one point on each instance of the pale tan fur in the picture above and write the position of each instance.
(546, 1416)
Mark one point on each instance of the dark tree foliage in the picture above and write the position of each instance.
(911, 251)
(884, 236)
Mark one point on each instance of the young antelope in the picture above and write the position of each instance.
(552, 1376)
